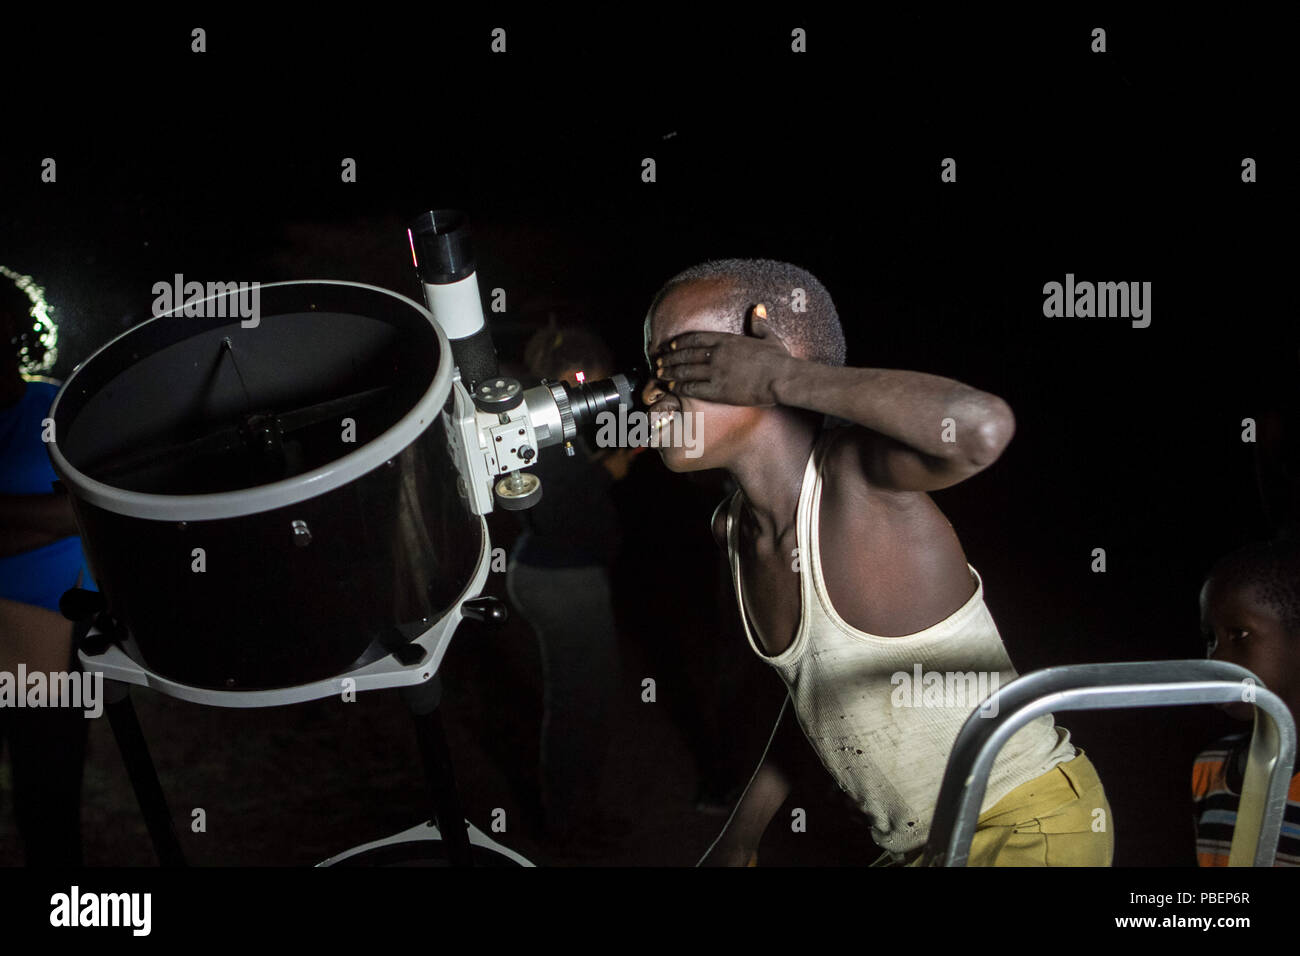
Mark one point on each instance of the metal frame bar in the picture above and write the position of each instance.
(1112, 687)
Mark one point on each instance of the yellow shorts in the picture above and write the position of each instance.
(1061, 818)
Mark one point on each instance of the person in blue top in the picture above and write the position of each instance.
(40, 558)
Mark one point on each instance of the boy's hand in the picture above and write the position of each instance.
(724, 367)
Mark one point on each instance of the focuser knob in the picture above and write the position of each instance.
(497, 395)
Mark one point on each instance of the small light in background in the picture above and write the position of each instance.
(581, 377)
(47, 332)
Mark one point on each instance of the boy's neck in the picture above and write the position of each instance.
(770, 471)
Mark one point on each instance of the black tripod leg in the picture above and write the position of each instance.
(140, 768)
(423, 699)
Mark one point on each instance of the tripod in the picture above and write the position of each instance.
(412, 668)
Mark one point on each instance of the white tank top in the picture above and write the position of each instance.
(883, 713)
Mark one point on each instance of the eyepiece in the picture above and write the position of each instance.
(588, 400)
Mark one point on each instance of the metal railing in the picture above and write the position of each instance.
(1112, 687)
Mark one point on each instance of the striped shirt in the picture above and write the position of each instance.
(1216, 789)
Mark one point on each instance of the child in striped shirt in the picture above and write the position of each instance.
(1250, 612)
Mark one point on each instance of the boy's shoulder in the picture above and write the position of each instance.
(844, 450)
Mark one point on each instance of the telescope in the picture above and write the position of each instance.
(293, 507)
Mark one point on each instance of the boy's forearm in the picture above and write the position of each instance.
(910, 407)
(21, 540)
(50, 513)
(764, 795)
(760, 802)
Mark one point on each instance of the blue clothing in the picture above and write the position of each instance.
(39, 576)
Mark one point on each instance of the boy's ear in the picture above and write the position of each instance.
(756, 326)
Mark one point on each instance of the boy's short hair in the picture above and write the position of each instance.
(813, 328)
(552, 351)
(1272, 569)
